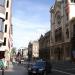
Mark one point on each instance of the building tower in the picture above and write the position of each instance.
(5, 28)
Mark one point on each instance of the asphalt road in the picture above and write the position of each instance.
(64, 69)
(15, 69)
(58, 69)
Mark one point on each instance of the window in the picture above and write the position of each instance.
(5, 28)
(73, 1)
(58, 35)
(2, 2)
(58, 17)
(6, 15)
(7, 3)
(4, 43)
(1, 24)
(67, 16)
(67, 33)
(73, 30)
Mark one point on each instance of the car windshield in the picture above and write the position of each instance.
(41, 64)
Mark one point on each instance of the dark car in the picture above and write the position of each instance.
(39, 67)
(29, 67)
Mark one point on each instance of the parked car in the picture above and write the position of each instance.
(39, 67)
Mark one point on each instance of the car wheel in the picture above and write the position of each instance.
(44, 73)
(29, 73)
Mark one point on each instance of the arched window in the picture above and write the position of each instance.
(67, 33)
(58, 17)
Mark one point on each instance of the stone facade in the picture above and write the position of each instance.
(62, 30)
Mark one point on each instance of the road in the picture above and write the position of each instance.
(64, 68)
(58, 69)
(15, 69)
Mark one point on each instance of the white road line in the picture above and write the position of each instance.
(71, 69)
(67, 68)
(62, 72)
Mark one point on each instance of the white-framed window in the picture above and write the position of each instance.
(2, 2)
(1, 24)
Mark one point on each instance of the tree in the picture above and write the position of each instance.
(13, 53)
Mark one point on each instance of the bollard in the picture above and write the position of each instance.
(2, 71)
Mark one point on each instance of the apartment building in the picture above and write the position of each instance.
(33, 50)
(5, 28)
(62, 30)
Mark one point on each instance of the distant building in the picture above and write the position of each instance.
(30, 51)
(24, 52)
(33, 50)
(44, 46)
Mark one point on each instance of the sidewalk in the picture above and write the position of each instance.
(10, 67)
(15, 69)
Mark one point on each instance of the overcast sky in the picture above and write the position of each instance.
(30, 19)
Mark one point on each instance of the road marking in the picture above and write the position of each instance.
(66, 69)
(71, 69)
(63, 72)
